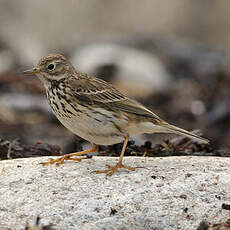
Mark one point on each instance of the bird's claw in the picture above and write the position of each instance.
(60, 160)
(112, 169)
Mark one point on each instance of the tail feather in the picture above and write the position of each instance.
(173, 129)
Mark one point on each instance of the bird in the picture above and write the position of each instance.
(95, 110)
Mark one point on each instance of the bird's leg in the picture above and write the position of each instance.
(111, 170)
(69, 156)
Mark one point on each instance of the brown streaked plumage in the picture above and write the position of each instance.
(94, 110)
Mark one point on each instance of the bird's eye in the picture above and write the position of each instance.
(51, 67)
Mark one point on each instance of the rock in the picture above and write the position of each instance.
(137, 72)
(11, 104)
(23, 102)
(163, 193)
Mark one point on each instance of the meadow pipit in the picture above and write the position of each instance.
(94, 110)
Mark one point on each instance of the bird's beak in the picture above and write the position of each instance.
(32, 71)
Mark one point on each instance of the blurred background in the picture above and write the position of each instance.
(173, 56)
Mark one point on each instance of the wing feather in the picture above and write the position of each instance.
(98, 92)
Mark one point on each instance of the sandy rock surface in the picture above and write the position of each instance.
(163, 193)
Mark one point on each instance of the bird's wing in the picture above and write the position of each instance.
(98, 92)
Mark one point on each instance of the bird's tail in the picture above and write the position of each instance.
(173, 129)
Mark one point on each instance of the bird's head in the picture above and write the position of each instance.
(51, 67)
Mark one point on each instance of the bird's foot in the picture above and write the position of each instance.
(111, 170)
(71, 156)
(61, 160)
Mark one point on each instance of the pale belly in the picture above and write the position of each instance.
(94, 127)
(101, 131)
(93, 131)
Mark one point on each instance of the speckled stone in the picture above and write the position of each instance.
(163, 193)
